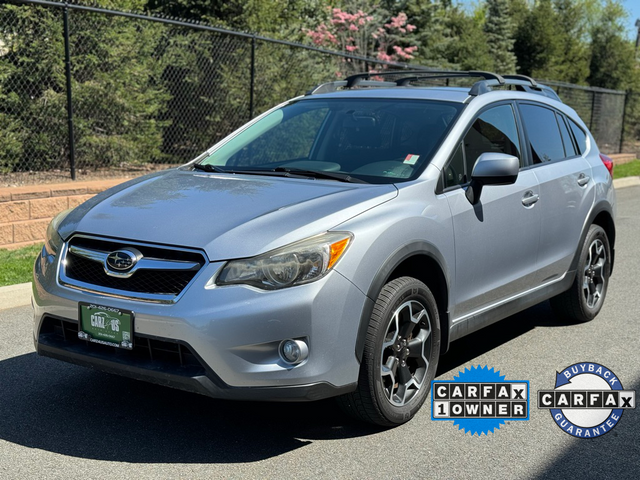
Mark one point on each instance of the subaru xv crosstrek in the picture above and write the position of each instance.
(337, 244)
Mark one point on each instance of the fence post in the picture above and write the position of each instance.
(67, 69)
(624, 120)
(253, 75)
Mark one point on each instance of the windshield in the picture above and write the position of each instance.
(375, 140)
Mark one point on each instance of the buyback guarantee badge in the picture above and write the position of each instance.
(588, 400)
(479, 400)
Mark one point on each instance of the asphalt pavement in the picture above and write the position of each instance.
(62, 421)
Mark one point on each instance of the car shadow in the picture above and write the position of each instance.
(66, 409)
(486, 339)
(70, 410)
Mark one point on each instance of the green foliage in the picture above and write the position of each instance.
(468, 48)
(537, 41)
(31, 88)
(612, 55)
(433, 32)
(116, 89)
(572, 54)
(282, 19)
(499, 30)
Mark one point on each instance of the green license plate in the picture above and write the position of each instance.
(106, 325)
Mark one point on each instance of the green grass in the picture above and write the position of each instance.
(630, 169)
(16, 266)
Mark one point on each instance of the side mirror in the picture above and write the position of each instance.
(492, 169)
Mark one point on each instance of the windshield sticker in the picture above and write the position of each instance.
(411, 159)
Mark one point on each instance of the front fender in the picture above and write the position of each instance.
(387, 235)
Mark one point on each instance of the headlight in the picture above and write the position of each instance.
(295, 264)
(53, 241)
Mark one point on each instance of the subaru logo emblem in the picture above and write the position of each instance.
(122, 260)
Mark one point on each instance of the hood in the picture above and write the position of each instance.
(227, 216)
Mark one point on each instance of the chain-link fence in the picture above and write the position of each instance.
(601, 109)
(87, 92)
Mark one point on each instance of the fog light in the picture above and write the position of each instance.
(293, 351)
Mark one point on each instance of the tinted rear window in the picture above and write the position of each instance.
(580, 136)
(543, 132)
(569, 147)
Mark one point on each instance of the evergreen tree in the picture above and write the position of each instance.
(115, 83)
(612, 54)
(538, 42)
(572, 61)
(433, 33)
(499, 30)
(468, 49)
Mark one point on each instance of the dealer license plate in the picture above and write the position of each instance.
(106, 325)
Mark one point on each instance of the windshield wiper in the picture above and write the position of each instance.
(206, 167)
(282, 171)
(341, 177)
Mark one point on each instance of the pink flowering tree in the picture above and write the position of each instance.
(365, 35)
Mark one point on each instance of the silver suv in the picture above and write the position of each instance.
(336, 245)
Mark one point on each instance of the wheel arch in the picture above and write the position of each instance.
(420, 260)
(601, 215)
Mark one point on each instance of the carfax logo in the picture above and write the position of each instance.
(479, 400)
(588, 400)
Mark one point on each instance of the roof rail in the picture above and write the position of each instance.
(521, 82)
(363, 79)
(489, 80)
(354, 80)
(333, 86)
(521, 77)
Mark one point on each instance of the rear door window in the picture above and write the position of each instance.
(544, 135)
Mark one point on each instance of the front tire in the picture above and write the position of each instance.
(400, 356)
(583, 301)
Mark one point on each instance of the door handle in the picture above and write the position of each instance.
(530, 198)
(583, 179)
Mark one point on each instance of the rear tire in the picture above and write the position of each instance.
(583, 301)
(400, 356)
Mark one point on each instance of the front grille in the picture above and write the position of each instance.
(143, 281)
(155, 282)
(148, 353)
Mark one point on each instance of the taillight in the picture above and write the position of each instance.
(607, 163)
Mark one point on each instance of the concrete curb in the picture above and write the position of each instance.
(15, 296)
(626, 182)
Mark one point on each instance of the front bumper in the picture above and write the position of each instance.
(233, 332)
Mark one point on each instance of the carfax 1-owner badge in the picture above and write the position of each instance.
(588, 400)
(479, 400)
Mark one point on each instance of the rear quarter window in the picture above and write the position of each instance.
(580, 136)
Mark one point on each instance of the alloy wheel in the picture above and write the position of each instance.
(405, 352)
(594, 278)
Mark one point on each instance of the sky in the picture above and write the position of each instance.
(632, 6)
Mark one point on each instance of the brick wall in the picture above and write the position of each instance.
(25, 212)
